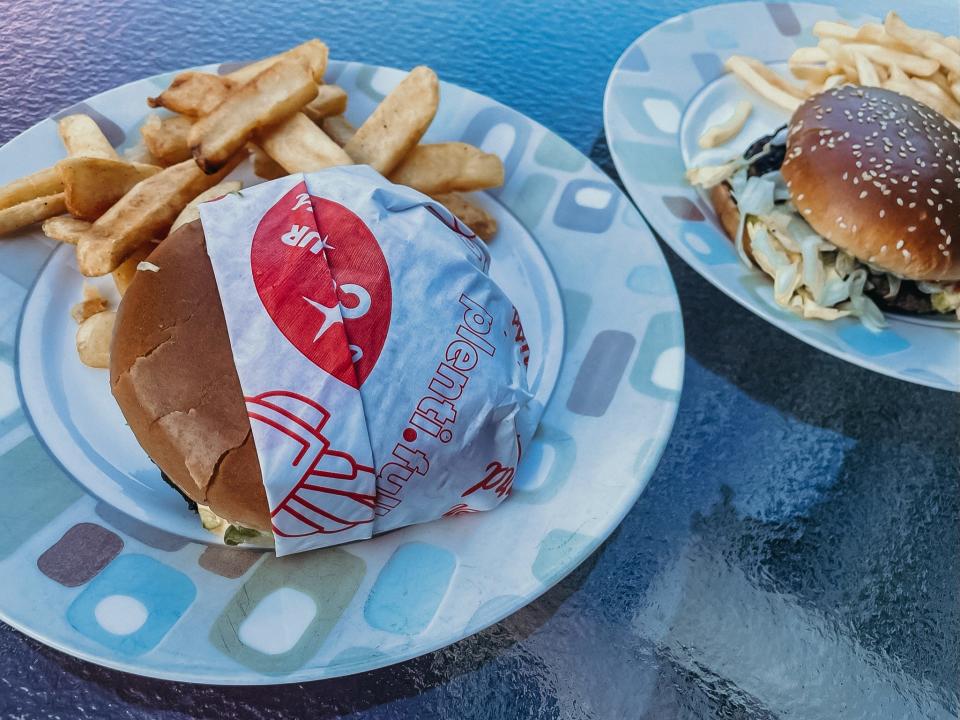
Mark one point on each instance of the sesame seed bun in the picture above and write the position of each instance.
(172, 374)
(878, 175)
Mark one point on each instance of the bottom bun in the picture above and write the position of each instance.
(172, 373)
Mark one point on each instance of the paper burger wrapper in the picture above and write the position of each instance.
(384, 372)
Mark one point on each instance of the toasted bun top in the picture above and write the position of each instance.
(172, 373)
(878, 175)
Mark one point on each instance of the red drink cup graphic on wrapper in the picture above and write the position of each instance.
(384, 371)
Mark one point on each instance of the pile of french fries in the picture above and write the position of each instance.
(278, 114)
(921, 64)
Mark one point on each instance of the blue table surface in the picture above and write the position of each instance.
(796, 552)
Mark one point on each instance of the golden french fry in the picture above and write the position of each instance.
(719, 134)
(908, 62)
(950, 59)
(955, 90)
(896, 28)
(64, 228)
(265, 166)
(439, 168)
(38, 184)
(192, 211)
(312, 54)
(866, 73)
(896, 73)
(926, 95)
(950, 106)
(270, 97)
(93, 302)
(330, 100)
(838, 30)
(166, 138)
(940, 80)
(139, 153)
(952, 42)
(339, 129)
(124, 273)
(834, 81)
(472, 215)
(193, 93)
(143, 214)
(93, 339)
(82, 136)
(930, 44)
(808, 56)
(92, 184)
(873, 33)
(31, 211)
(747, 70)
(299, 145)
(397, 123)
(816, 74)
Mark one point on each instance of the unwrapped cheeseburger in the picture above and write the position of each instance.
(853, 208)
(322, 358)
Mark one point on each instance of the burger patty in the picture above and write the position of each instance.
(909, 298)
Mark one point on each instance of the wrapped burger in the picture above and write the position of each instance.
(323, 358)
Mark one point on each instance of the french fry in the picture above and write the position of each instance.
(330, 100)
(896, 28)
(397, 123)
(312, 54)
(38, 184)
(299, 145)
(808, 56)
(866, 72)
(91, 304)
(896, 73)
(141, 154)
(93, 339)
(143, 214)
(816, 74)
(940, 80)
(834, 81)
(270, 97)
(91, 185)
(747, 70)
(339, 129)
(472, 215)
(166, 138)
(950, 107)
(127, 270)
(439, 168)
(192, 211)
(888, 57)
(719, 134)
(64, 228)
(82, 136)
(193, 93)
(926, 95)
(838, 30)
(31, 211)
(955, 90)
(265, 166)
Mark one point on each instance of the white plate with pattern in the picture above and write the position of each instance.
(111, 567)
(666, 89)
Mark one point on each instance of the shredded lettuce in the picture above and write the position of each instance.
(811, 276)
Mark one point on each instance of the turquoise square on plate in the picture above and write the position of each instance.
(132, 604)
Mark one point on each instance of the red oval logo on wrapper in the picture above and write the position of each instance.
(322, 278)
